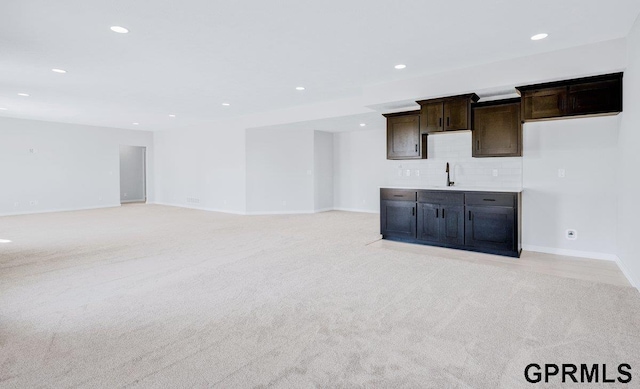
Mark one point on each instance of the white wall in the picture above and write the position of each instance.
(628, 164)
(132, 173)
(72, 166)
(280, 171)
(323, 170)
(585, 199)
(205, 165)
(361, 167)
(359, 157)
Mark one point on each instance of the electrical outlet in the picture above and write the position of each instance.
(416, 173)
(495, 172)
(33, 202)
(407, 173)
(33, 151)
(561, 173)
(572, 234)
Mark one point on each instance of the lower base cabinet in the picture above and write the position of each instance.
(478, 221)
(440, 223)
(398, 219)
(490, 228)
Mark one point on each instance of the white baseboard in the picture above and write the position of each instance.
(623, 268)
(58, 210)
(198, 208)
(355, 210)
(258, 213)
(588, 254)
(570, 253)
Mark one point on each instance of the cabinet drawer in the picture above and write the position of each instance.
(398, 194)
(491, 199)
(440, 197)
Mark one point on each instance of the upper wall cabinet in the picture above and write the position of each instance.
(404, 139)
(497, 129)
(446, 114)
(600, 95)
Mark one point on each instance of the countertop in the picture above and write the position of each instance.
(457, 188)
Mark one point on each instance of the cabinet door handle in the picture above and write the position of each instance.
(488, 199)
(448, 121)
(413, 211)
(416, 148)
(443, 213)
(477, 145)
(440, 123)
(573, 102)
(436, 213)
(469, 215)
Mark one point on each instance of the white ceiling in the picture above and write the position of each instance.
(187, 57)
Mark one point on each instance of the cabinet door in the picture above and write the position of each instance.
(452, 224)
(398, 219)
(595, 97)
(403, 137)
(432, 117)
(544, 103)
(490, 227)
(497, 131)
(428, 222)
(456, 114)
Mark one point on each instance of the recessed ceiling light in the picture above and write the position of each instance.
(172, 116)
(400, 66)
(136, 123)
(119, 30)
(5, 241)
(58, 71)
(362, 124)
(537, 37)
(23, 94)
(226, 104)
(299, 87)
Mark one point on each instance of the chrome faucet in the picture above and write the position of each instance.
(449, 182)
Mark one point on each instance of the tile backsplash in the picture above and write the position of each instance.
(455, 148)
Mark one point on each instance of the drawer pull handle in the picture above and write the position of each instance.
(398, 195)
(489, 199)
(436, 213)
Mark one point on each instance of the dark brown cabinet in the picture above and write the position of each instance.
(597, 95)
(490, 227)
(479, 221)
(404, 139)
(497, 129)
(440, 217)
(447, 114)
(398, 213)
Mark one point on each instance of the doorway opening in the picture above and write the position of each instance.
(133, 174)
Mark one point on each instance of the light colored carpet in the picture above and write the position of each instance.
(152, 296)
